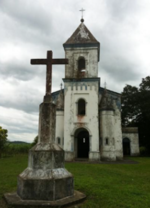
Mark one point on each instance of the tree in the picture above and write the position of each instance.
(136, 110)
(144, 90)
(130, 109)
(3, 139)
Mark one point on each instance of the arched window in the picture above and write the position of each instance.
(81, 107)
(81, 63)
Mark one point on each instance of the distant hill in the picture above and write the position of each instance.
(18, 142)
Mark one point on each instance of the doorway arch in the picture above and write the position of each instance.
(126, 146)
(82, 143)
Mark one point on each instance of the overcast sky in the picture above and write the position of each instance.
(29, 28)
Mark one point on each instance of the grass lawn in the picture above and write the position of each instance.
(106, 185)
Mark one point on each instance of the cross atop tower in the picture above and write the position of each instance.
(82, 10)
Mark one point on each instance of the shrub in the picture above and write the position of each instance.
(143, 151)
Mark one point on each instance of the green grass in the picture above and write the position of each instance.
(106, 185)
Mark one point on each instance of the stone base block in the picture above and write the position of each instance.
(94, 156)
(15, 201)
(45, 189)
(46, 156)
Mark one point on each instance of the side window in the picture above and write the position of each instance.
(81, 107)
(81, 63)
(113, 141)
(58, 140)
(107, 141)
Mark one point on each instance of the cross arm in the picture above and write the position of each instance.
(38, 61)
(59, 61)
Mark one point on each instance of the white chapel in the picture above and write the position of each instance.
(88, 117)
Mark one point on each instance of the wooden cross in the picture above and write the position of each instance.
(49, 61)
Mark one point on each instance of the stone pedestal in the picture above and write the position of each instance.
(45, 178)
(45, 181)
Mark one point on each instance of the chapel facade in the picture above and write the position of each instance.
(88, 117)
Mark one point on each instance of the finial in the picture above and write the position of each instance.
(82, 10)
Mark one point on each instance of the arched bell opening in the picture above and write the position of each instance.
(81, 64)
(81, 73)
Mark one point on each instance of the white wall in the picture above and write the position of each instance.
(107, 132)
(110, 128)
(118, 133)
(59, 132)
(89, 92)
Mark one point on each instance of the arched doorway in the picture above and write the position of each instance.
(82, 143)
(126, 146)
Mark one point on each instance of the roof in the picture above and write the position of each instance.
(82, 37)
(129, 130)
(106, 101)
(101, 90)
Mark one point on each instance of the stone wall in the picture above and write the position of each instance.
(91, 62)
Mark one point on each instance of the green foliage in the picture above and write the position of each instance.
(136, 110)
(105, 185)
(13, 148)
(130, 107)
(143, 151)
(3, 140)
(145, 98)
(34, 141)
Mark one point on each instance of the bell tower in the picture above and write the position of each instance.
(81, 95)
(82, 50)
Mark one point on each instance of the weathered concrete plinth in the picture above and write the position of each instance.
(14, 201)
(45, 182)
(45, 178)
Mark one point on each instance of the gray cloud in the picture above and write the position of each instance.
(120, 11)
(29, 29)
(17, 70)
(28, 15)
(120, 70)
